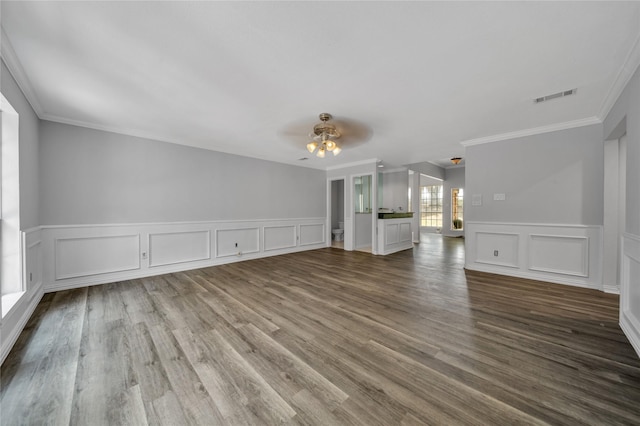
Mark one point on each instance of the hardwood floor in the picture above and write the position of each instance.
(325, 337)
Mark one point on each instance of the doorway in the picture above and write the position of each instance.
(615, 170)
(337, 200)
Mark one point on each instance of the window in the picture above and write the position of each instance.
(10, 271)
(457, 195)
(431, 206)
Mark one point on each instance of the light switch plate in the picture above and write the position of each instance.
(476, 200)
(499, 197)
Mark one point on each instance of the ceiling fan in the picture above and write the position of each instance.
(329, 135)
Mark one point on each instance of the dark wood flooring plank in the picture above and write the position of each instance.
(44, 385)
(409, 338)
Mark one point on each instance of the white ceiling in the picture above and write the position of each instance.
(238, 76)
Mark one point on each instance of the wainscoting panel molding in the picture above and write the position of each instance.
(630, 289)
(559, 254)
(178, 247)
(497, 248)
(564, 254)
(405, 232)
(15, 320)
(311, 234)
(32, 274)
(95, 255)
(238, 241)
(393, 233)
(279, 237)
(82, 255)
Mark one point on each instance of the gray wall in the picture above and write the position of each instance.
(454, 178)
(554, 178)
(95, 177)
(29, 146)
(395, 190)
(625, 117)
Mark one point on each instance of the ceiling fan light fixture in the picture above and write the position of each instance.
(331, 145)
(323, 135)
(311, 146)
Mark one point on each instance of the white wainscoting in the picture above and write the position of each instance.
(78, 256)
(15, 320)
(559, 254)
(564, 254)
(630, 289)
(237, 241)
(311, 234)
(169, 248)
(279, 237)
(497, 248)
(394, 235)
(96, 255)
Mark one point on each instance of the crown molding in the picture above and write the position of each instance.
(113, 129)
(355, 163)
(15, 69)
(631, 64)
(533, 131)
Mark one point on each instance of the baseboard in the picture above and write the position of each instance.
(168, 269)
(632, 332)
(9, 339)
(530, 276)
(611, 288)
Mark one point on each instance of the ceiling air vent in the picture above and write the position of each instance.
(555, 95)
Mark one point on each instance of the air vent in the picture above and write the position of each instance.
(555, 96)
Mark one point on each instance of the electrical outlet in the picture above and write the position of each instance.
(495, 252)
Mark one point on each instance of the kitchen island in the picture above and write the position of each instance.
(394, 232)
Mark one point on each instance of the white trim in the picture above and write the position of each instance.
(17, 72)
(560, 225)
(587, 274)
(631, 64)
(126, 132)
(533, 131)
(630, 330)
(9, 339)
(531, 276)
(611, 288)
(584, 269)
(195, 222)
(629, 321)
(57, 261)
(264, 237)
(150, 247)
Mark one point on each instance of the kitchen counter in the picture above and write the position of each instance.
(395, 215)
(394, 233)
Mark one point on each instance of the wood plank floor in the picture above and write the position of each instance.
(325, 337)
